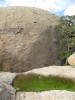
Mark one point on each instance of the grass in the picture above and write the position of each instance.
(37, 83)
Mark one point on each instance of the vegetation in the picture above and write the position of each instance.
(38, 83)
(66, 36)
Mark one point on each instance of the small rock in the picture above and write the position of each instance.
(71, 60)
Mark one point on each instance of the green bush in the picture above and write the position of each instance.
(63, 54)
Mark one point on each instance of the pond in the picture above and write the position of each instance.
(38, 83)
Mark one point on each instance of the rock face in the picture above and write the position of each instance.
(27, 39)
(7, 77)
(71, 60)
(47, 95)
(60, 71)
(7, 92)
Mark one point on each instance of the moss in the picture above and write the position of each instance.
(38, 83)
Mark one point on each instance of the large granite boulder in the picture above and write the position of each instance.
(71, 60)
(27, 39)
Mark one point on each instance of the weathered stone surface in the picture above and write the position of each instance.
(47, 95)
(27, 39)
(7, 77)
(71, 60)
(61, 71)
(7, 92)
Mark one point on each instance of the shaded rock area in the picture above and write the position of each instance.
(71, 60)
(27, 39)
(46, 95)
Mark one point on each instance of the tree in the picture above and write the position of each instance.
(66, 37)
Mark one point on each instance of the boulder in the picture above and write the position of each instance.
(46, 95)
(7, 92)
(60, 71)
(28, 39)
(71, 59)
(7, 77)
